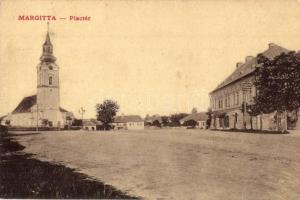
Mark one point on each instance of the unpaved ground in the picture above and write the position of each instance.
(180, 164)
(22, 176)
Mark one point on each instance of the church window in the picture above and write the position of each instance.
(50, 80)
(50, 67)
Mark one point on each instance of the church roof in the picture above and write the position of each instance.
(245, 69)
(47, 41)
(26, 104)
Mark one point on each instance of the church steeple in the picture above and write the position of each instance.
(47, 55)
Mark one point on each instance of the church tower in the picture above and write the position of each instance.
(48, 99)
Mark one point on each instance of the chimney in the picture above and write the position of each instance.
(248, 58)
(238, 64)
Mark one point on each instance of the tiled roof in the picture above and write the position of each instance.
(62, 110)
(91, 122)
(128, 118)
(249, 66)
(26, 104)
(202, 116)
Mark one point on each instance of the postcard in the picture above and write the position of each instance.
(150, 99)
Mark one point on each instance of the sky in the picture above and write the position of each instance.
(152, 57)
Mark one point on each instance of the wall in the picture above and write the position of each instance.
(135, 125)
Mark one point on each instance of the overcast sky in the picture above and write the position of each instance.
(151, 57)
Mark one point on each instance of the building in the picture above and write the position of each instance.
(42, 109)
(227, 98)
(200, 118)
(153, 120)
(128, 122)
(91, 125)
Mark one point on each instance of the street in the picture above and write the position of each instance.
(179, 163)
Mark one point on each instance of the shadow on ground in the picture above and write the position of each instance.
(25, 177)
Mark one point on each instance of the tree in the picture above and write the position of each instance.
(45, 122)
(278, 84)
(156, 123)
(77, 122)
(175, 118)
(194, 110)
(252, 110)
(191, 123)
(165, 120)
(106, 112)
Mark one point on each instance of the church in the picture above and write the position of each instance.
(42, 109)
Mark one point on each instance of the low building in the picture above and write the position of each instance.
(199, 118)
(154, 119)
(90, 125)
(238, 89)
(128, 122)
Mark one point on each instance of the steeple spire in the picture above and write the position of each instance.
(47, 55)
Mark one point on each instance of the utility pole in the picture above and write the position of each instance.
(81, 112)
(37, 117)
(246, 86)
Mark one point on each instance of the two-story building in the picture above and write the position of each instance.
(227, 98)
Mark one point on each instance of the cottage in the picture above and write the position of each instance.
(129, 122)
(90, 125)
(199, 118)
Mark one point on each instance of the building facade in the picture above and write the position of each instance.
(229, 98)
(42, 109)
(128, 122)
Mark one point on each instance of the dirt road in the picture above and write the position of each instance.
(180, 164)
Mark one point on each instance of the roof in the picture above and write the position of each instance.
(202, 116)
(153, 118)
(2, 117)
(47, 41)
(62, 110)
(248, 67)
(128, 118)
(91, 122)
(26, 104)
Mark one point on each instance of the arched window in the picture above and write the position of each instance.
(50, 80)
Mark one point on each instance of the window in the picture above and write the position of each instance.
(50, 80)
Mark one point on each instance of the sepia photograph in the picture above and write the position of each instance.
(146, 99)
